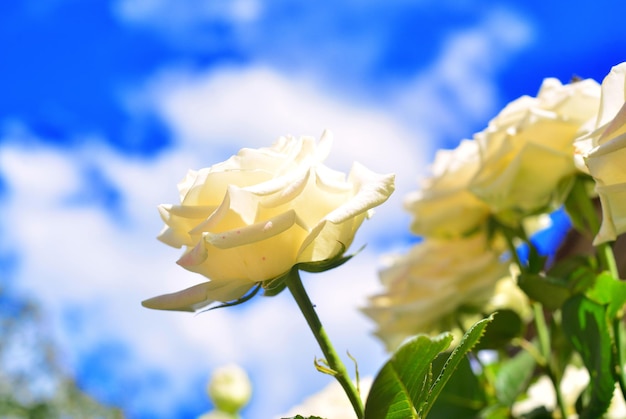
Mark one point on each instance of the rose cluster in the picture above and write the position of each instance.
(518, 168)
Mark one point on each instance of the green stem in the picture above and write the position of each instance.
(544, 347)
(542, 329)
(294, 283)
(607, 259)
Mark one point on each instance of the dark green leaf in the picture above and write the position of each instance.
(578, 272)
(463, 397)
(505, 326)
(404, 378)
(620, 332)
(586, 327)
(575, 202)
(469, 340)
(550, 292)
(536, 262)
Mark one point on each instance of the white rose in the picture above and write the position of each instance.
(573, 383)
(253, 217)
(604, 152)
(444, 206)
(429, 284)
(331, 402)
(527, 150)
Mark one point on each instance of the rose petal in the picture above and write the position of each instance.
(198, 296)
(372, 190)
(255, 232)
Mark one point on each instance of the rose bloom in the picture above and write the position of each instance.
(444, 206)
(253, 217)
(432, 282)
(331, 402)
(604, 152)
(527, 149)
(573, 383)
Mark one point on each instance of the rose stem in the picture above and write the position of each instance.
(294, 283)
(542, 329)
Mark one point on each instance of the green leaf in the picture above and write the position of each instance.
(513, 377)
(549, 291)
(404, 389)
(505, 326)
(575, 203)
(586, 326)
(578, 272)
(463, 397)
(609, 291)
(469, 340)
(404, 378)
(536, 262)
(620, 332)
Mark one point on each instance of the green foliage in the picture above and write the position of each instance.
(404, 387)
(463, 397)
(505, 326)
(551, 292)
(588, 331)
(513, 377)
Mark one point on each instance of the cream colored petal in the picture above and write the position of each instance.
(287, 191)
(372, 190)
(613, 202)
(213, 220)
(198, 296)
(616, 127)
(332, 181)
(613, 94)
(194, 255)
(185, 185)
(253, 233)
(180, 222)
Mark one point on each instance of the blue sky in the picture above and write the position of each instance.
(105, 105)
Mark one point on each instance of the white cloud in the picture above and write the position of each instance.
(178, 14)
(457, 91)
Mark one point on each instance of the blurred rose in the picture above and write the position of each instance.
(604, 152)
(427, 286)
(254, 216)
(573, 383)
(331, 402)
(444, 207)
(507, 295)
(527, 150)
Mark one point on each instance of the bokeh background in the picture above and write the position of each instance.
(104, 106)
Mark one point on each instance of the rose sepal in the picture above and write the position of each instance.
(275, 286)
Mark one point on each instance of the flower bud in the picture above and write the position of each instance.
(229, 389)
